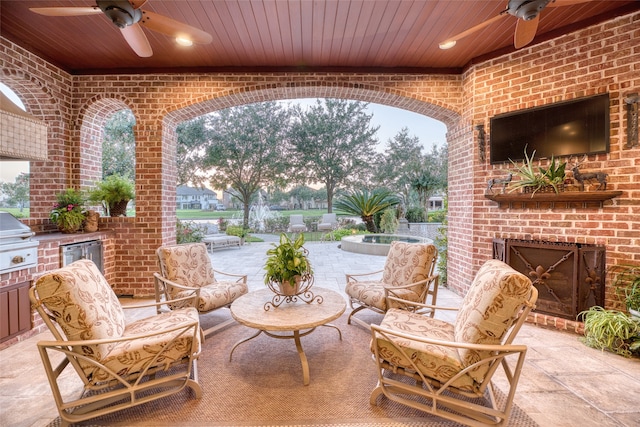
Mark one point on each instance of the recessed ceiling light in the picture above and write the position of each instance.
(182, 41)
(447, 44)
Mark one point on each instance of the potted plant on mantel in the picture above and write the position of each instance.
(287, 265)
(114, 193)
(68, 213)
(533, 179)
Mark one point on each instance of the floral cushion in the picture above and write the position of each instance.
(216, 295)
(86, 308)
(190, 265)
(487, 312)
(372, 293)
(129, 357)
(406, 263)
(488, 309)
(434, 361)
(83, 303)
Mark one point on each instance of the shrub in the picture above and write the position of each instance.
(437, 216)
(416, 214)
(237, 230)
(189, 232)
(389, 221)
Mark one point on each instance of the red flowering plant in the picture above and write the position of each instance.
(68, 213)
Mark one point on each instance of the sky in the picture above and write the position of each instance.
(390, 120)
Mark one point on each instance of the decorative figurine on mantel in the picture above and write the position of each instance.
(581, 177)
(499, 181)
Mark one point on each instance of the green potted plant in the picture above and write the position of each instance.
(533, 179)
(114, 193)
(287, 264)
(627, 285)
(611, 330)
(68, 213)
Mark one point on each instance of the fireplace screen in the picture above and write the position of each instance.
(570, 277)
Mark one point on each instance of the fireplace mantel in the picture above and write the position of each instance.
(569, 198)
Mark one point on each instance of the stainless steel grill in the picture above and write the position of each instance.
(17, 250)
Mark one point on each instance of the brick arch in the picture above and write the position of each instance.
(204, 104)
(407, 100)
(51, 174)
(90, 125)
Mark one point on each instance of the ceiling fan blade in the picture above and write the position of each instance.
(558, 3)
(66, 11)
(474, 29)
(173, 28)
(525, 31)
(137, 4)
(134, 35)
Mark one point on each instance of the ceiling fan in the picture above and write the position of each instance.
(528, 14)
(128, 16)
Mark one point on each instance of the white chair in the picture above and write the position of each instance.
(119, 364)
(409, 273)
(185, 270)
(296, 224)
(445, 368)
(328, 223)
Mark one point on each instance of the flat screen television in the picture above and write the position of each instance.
(579, 126)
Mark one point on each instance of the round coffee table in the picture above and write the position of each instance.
(292, 317)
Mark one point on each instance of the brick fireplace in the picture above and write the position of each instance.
(570, 277)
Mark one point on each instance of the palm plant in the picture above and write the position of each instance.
(366, 204)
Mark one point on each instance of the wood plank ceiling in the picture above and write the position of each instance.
(255, 35)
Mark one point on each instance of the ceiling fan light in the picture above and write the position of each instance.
(447, 44)
(183, 41)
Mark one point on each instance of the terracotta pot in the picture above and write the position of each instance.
(287, 289)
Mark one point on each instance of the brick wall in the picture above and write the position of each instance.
(601, 59)
(595, 60)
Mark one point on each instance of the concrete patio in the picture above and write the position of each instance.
(564, 383)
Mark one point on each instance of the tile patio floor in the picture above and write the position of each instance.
(563, 383)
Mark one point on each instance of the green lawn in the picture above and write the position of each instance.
(197, 214)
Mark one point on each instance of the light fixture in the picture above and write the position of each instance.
(447, 44)
(183, 41)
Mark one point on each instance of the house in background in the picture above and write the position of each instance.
(196, 198)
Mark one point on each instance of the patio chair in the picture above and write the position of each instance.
(119, 364)
(328, 223)
(296, 224)
(452, 364)
(185, 270)
(409, 273)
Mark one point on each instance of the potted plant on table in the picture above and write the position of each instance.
(114, 193)
(287, 265)
(68, 213)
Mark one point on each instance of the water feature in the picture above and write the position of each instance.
(259, 212)
(376, 244)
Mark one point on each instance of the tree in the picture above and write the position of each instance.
(119, 146)
(401, 163)
(247, 149)
(333, 142)
(433, 177)
(17, 193)
(192, 138)
(366, 204)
